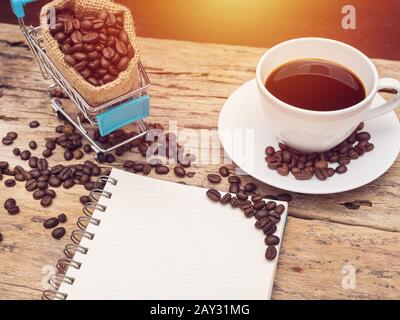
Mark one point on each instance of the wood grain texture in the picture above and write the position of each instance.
(190, 84)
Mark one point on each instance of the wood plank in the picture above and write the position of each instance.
(190, 84)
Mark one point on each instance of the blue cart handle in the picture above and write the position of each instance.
(18, 7)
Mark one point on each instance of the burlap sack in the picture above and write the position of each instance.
(127, 80)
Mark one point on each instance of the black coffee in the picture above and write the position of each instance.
(317, 85)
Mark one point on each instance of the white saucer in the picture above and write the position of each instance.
(242, 111)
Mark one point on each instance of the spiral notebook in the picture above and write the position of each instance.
(152, 239)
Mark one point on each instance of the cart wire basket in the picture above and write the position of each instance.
(108, 117)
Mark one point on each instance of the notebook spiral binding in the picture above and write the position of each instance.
(76, 236)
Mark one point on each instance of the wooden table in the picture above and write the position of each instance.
(190, 84)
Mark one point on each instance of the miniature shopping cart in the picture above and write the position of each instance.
(112, 115)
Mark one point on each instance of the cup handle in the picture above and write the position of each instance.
(386, 83)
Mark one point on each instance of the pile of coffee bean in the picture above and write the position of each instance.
(11, 206)
(52, 223)
(262, 207)
(304, 166)
(34, 124)
(41, 178)
(163, 146)
(9, 138)
(58, 93)
(268, 215)
(95, 45)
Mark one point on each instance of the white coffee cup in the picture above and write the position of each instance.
(317, 131)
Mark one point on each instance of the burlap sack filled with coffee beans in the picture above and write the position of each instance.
(125, 82)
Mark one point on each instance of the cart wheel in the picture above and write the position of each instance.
(60, 116)
(100, 157)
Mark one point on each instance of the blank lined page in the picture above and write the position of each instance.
(163, 240)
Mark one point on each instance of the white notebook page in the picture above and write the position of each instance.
(163, 240)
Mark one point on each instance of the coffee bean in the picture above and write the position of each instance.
(190, 174)
(84, 199)
(20, 177)
(13, 210)
(43, 164)
(9, 183)
(162, 170)
(256, 198)
(138, 167)
(270, 151)
(147, 169)
(321, 164)
(7, 141)
(341, 169)
(250, 187)
(68, 184)
(280, 209)
(283, 171)
(78, 154)
(12, 135)
(363, 136)
(9, 203)
(369, 147)
(270, 228)
(123, 63)
(25, 155)
(234, 202)
(214, 178)
(320, 176)
(260, 224)
(62, 218)
(129, 164)
(17, 152)
(51, 223)
(261, 214)
(34, 124)
(87, 148)
(272, 241)
(284, 197)
(234, 188)
(259, 205)
(31, 185)
(39, 194)
(303, 176)
(234, 179)
(345, 161)
(180, 171)
(110, 158)
(90, 186)
(46, 201)
(58, 233)
(275, 218)
(50, 144)
(214, 195)
(68, 155)
(3, 165)
(42, 185)
(33, 145)
(226, 199)
(244, 205)
(331, 172)
(47, 153)
(224, 171)
(242, 196)
(271, 253)
(249, 212)
(33, 162)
